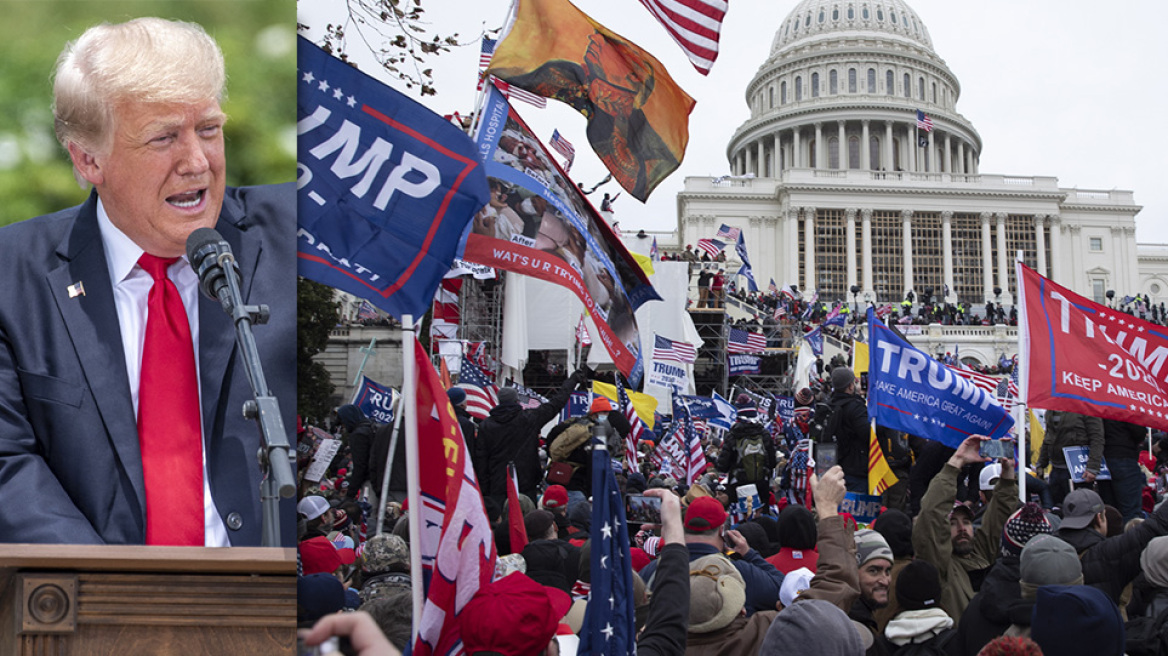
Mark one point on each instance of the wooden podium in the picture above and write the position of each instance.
(77, 600)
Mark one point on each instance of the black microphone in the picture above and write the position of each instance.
(208, 254)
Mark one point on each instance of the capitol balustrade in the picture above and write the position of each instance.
(862, 177)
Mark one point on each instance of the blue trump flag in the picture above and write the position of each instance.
(375, 400)
(609, 623)
(386, 186)
(910, 391)
(746, 269)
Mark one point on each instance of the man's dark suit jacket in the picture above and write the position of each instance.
(70, 465)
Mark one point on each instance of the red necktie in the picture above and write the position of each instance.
(168, 417)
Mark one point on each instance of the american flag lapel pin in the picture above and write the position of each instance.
(76, 289)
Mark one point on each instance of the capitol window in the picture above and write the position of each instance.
(907, 86)
(771, 95)
(783, 92)
(1097, 293)
(934, 93)
(879, 14)
(798, 88)
(821, 15)
(815, 85)
(874, 153)
(889, 85)
(1154, 289)
(851, 12)
(851, 80)
(871, 80)
(835, 13)
(833, 82)
(921, 89)
(1096, 244)
(892, 15)
(865, 12)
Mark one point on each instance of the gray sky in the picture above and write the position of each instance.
(1064, 88)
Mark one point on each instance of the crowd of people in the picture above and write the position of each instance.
(954, 562)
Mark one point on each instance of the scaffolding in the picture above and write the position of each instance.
(481, 316)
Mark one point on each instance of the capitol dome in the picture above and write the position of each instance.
(841, 89)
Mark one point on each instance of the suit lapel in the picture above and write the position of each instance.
(92, 322)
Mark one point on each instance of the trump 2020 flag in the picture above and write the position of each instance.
(386, 186)
(910, 391)
(375, 400)
(609, 621)
(1087, 358)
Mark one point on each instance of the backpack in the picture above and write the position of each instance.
(576, 434)
(938, 646)
(818, 429)
(1147, 635)
(752, 456)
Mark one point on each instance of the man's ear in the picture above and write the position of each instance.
(85, 165)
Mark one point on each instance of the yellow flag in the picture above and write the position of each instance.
(644, 404)
(645, 261)
(1037, 435)
(860, 357)
(880, 476)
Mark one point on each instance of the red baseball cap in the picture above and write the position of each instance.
(514, 616)
(555, 497)
(318, 555)
(704, 513)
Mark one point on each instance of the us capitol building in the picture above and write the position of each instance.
(835, 186)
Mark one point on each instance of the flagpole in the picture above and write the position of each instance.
(410, 406)
(397, 406)
(1023, 376)
(476, 116)
(368, 351)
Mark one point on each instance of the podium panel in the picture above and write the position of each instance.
(73, 600)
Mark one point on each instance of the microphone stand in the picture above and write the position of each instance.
(277, 481)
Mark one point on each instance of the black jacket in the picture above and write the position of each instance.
(511, 434)
(730, 461)
(988, 614)
(361, 446)
(1111, 563)
(848, 423)
(1122, 440)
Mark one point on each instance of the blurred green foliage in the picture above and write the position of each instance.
(258, 39)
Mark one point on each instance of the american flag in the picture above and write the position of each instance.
(773, 288)
(986, 382)
(742, 341)
(1007, 391)
(780, 311)
(696, 464)
(609, 621)
(528, 398)
(563, 147)
(884, 310)
(667, 349)
(481, 393)
(924, 122)
(638, 430)
(485, 53)
(694, 24)
(654, 254)
(728, 233)
(711, 246)
(582, 335)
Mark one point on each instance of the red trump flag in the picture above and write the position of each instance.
(1087, 358)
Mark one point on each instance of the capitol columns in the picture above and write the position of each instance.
(1056, 241)
(866, 237)
(906, 225)
(1040, 243)
(987, 260)
(809, 282)
(948, 158)
(1004, 258)
(865, 146)
(961, 156)
(947, 253)
(776, 167)
(850, 259)
(819, 149)
(796, 149)
(791, 241)
(843, 147)
(888, 150)
(761, 165)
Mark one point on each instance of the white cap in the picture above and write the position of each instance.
(794, 584)
(312, 506)
(989, 474)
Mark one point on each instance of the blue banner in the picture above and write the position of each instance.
(910, 391)
(386, 186)
(786, 409)
(1076, 457)
(864, 507)
(375, 400)
(700, 407)
(577, 406)
(742, 364)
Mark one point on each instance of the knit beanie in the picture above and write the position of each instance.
(1076, 620)
(896, 527)
(1026, 522)
(919, 586)
(1048, 560)
(797, 528)
(871, 545)
(1154, 561)
(812, 627)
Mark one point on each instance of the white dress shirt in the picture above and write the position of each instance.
(132, 285)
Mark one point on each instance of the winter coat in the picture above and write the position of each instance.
(988, 614)
(932, 541)
(915, 627)
(730, 459)
(1065, 429)
(848, 424)
(665, 629)
(361, 446)
(1122, 439)
(1111, 563)
(511, 434)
